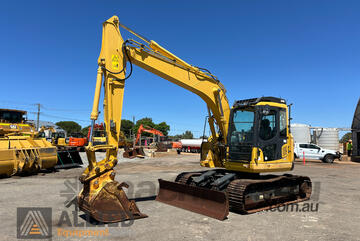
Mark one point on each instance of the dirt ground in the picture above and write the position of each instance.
(331, 214)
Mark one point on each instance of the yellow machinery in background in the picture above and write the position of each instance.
(20, 151)
(68, 156)
(98, 134)
(247, 139)
(50, 134)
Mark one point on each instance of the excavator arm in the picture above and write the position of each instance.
(102, 197)
(148, 130)
(152, 57)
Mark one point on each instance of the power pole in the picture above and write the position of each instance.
(38, 117)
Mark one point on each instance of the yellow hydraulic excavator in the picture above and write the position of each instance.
(252, 138)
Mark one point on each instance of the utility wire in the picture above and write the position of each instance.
(65, 118)
(65, 110)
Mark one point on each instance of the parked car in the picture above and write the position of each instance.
(313, 151)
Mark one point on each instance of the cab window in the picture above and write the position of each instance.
(283, 127)
(242, 126)
(268, 127)
(11, 116)
(313, 146)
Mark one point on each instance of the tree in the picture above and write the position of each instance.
(126, 126)
(176, 137)
(163, 127)
(148, 122)
(187, 135)
(85, 130)
(69, 126)
(345, 138)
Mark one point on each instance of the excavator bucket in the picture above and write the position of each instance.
(68, 157)
(110, 204)
(25, 155)
(161, 147)
(134, 152)
(211, 203)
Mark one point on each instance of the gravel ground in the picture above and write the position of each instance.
(334, 215)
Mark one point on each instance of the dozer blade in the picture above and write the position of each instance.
(208, 202)
(68, 158)
(110, 204)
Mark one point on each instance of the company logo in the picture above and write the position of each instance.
(34, 223)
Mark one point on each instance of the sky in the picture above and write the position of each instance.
(307, 52)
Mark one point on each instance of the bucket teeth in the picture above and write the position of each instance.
(110, 204)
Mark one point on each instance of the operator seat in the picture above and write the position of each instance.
(265, 130)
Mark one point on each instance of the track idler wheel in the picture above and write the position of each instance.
(110, 204)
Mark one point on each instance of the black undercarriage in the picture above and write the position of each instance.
(247, 192)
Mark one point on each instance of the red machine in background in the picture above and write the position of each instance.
(148, 130)
(138, 151)
(176, 145)
(78, 140)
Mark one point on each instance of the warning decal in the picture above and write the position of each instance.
(115, 61)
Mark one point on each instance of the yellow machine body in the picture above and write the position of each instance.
(20, 150)
(258, 164)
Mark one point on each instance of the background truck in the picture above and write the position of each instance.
(191, 145)
(313, 151)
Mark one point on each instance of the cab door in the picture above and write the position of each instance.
(272, 132)
(307, 150)
(316, 151)
(303, 150)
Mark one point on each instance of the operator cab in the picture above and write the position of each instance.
(55, 136)
(12, 116)
(260, 123)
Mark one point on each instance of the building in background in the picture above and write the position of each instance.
(48, 124)
(355, 129)
(327, 138)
